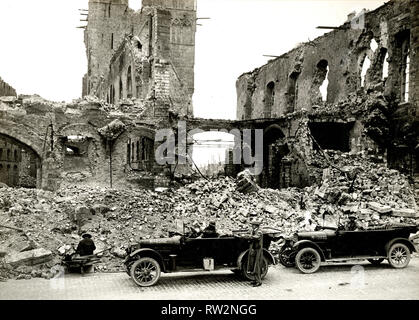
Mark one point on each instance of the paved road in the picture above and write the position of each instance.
(344, 281)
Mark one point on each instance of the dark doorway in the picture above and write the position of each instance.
(331, 135)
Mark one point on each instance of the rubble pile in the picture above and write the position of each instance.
(37, 228)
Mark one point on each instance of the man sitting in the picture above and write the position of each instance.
(352, 224)
(86, 246)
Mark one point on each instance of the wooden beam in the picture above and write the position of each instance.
(335, 28)
(271, 56)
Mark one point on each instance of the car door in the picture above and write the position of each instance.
(190, 253)
(351, 243)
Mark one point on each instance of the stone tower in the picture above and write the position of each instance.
(162, 59)
(108, 21)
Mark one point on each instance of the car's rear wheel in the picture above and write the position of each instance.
(376, 262)
(145, 272)
(285, 257)
(248, 273)
(308, 260)
(399, 255)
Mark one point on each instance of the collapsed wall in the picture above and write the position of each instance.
(50, 145)
(356, 86)
(147, 55)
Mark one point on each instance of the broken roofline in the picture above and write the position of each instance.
(343, 27)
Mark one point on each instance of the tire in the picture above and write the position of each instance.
(285, 259)
(308, 260)
(251, 277)
(145, 272)
(376, 262)
(399, 255)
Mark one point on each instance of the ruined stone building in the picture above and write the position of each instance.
(149, 54)
(355, 88)
(140, 78)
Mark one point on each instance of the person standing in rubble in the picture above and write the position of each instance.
(86, 246)
(254, 263)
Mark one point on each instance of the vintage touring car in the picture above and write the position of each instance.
(308, 250)
(146, 260)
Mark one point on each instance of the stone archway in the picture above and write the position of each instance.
(20, 164)
(275, 148)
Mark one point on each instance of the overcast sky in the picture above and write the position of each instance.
(43, 52)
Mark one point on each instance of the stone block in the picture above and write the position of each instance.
(32, 257)
(407, 213)
(381, 209)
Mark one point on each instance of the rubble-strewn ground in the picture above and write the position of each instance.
(54, 221)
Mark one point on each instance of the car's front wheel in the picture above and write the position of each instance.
(399, 255)
(145, 272)
(308, 260)
(285, 257)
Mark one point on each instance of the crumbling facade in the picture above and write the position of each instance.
(147, 56)
(353, 89)
(140, 79)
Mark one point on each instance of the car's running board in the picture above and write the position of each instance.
(180, 269)
(354, 258)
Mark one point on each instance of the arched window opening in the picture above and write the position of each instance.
(121, 91)
(406, 76)
(128, 153)
(129, 82)
(322, 76)
(292, 92)
(269, 99)
(8, 154)
(385, 65)
(132, 152)
(365, 66)
(112, 94)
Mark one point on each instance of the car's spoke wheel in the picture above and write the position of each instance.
(399, 255)
(376, 262)
(308, 260)
(248, 274)
(285, 257)
(145, 272)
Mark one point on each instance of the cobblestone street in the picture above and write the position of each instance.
(345, 281)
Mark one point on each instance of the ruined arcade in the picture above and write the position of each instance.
(338, 116)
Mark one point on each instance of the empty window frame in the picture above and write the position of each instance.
(292, 91)
(269, 99)
(323, 78)
(365, 67)
(406, 76)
